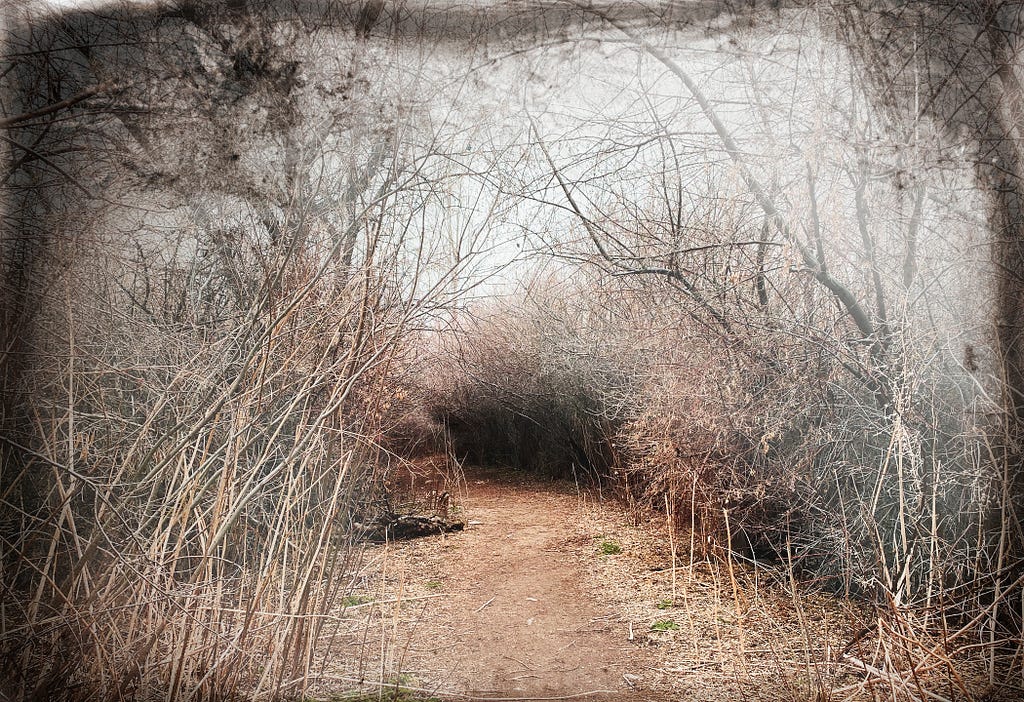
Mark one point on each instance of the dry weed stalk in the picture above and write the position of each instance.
(185, 514)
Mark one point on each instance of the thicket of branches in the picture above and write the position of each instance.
(215, 253)
(232, 233)
(533, 386)
(829, 378)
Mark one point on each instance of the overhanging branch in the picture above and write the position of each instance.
(846, 297)
(9, 122)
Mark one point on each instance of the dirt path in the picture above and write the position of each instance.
(503, 610)
(530, 628)
(524, 605)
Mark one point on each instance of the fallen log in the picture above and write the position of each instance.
(396, 527)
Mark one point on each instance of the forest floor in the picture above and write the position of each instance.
(555, 592)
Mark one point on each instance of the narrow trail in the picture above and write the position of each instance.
(513, 616)
(530, 628)
(523, 605)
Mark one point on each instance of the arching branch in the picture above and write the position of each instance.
(845, 296)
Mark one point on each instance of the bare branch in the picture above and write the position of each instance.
(99, 89)
(846, 297)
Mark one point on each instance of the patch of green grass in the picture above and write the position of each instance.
(664, 625)
(665, 604)
(609, 548)
(388, 694)
(353, 600)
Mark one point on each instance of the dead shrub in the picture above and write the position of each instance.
(532, 389)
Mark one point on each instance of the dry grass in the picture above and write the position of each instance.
(755, 631)
(180, 526)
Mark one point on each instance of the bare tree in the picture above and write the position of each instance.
(218, 234)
